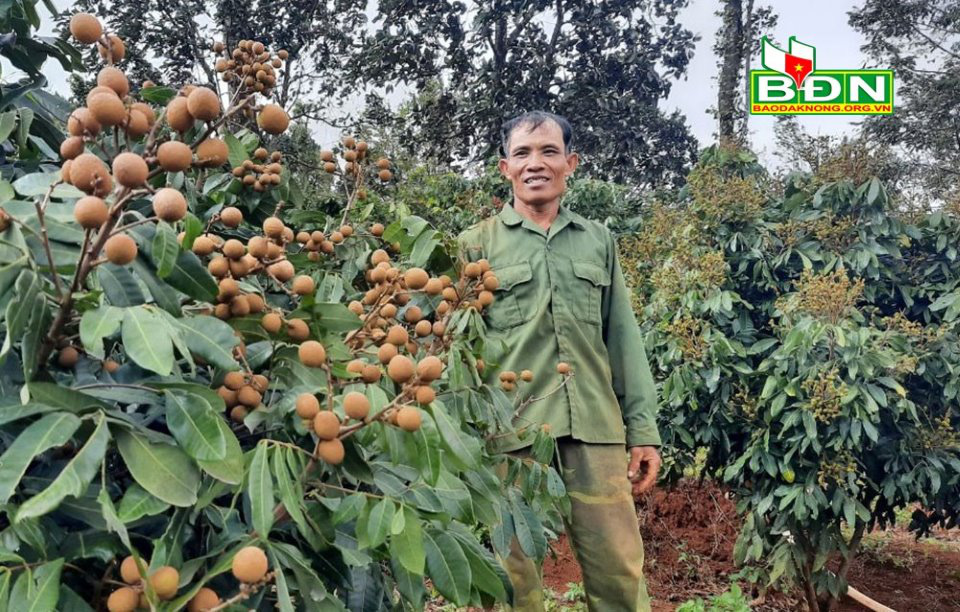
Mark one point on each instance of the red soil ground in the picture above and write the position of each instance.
(689, 533)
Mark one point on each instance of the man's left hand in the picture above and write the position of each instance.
(643, 469)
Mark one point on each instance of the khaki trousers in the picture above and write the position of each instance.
(603, 532)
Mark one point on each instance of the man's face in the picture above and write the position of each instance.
(536, 164)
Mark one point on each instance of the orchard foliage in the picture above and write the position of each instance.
(204, 407)
(806, 335)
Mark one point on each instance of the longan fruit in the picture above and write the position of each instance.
(114, 79)
(433, 287)
(386, 352)
(64, 173)
(273, 119)
(238, 413)
(131, 170)
(327, 247)
(491, 283)
(273, 227)
(110, 366)
(256, 302)
(429, 368)
(425, 395)
(222, 311)
(128, 570)
(312, 354)
(204, 104)
(383, 163)
(231, 216)
(212, 153)
(423, 328)
(438, 328)
(508, 376)
(480, 365)
(370, 374)
(563, 367)
(249, 564)
(85, 28)
(385, 175)
(123, 599)
(178, 115)
(165, 582)
(218, 266)
(120, 249)
(88, 173)
(136, 124)
(228, 396)
(147, 111)
(388, 310)
(443, 307)
(257, 246)
(450, 294)
(203, 246)
(239, 306)
(205, 599)
(506, 385)
(116, 52)
(416, 278)
(472, 270)
(413, 314)
(282, 54)
(331, 451)
(82, 121)
(249, 397)
(68, 357)
(408, 418)
(90, 212)
(356, 405)
(307, 406)
(377, 229)
(398, 335)
(400, 369)
(526, 375)
(233, 249)
(287, 235)
(329, 167)
(283, 270)
(303, 285)
(356, 308)
(298, 330)
(355, 366)
(336, 237)
(174, 156)
(485, 298)
(271, 322)
(326, 425)
(71, 147)
(234, 380)
(169, 204)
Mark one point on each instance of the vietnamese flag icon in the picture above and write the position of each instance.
(796, 64)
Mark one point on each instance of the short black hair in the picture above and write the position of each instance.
(535, 119)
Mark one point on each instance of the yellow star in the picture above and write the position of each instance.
(798, 67)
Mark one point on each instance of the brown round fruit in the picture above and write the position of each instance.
(331, 451)
(273, 119)
(307, 406)
(472, 270)
(88, 173)
(204, 104)
(434, 286)
(123, 599)
(178, 115)
(114, 79)
(429, 368)
(526, 375)
(355, 366)
(203, 246)
(298, 330)
(136, 124)
(174, 156)
(233, 249)
(303, 285)
(249, 397)
(385, 175)
(212, 153)
(68, 357)
(423, 328)
(326, 425)
(128, 570)
(312, 354)
(205, 599)
(386, 352)
(400, 369)
(82, 122)
(249, 564)
(130, 170)
(271, 322)
(90, 212)
(370, 374)
(563, 367)
(377, 229)
(398, 335)
(416, 278)
(383, 163)
(234, 380)
(169, 204)
(408, 418)
(120, 249)
(116, 52)
(356, 405)
(231, 216)
(71, 147)
(85, 28)
(165, 582)
(238, 413)
(283, 270)
(425, 395)
(273, 227)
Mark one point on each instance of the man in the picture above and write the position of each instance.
(562, 298)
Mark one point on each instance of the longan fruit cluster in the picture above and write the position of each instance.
(354, 153)
(233, 302)
(479, 282)
(509, 379)
(242, 392)
(165, 582)
(249, 65)
(261, 172)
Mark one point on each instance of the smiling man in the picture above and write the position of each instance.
(562, 298)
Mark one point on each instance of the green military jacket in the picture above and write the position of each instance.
(562, 297)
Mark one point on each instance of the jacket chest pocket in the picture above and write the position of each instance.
(589, 283)
(513, 299)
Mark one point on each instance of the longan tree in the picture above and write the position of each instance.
(204, 407)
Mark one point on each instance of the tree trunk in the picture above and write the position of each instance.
(730, 68)
(747, 46)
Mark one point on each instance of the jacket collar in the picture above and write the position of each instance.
(511, 217)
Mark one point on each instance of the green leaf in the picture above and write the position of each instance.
(50, 431)
(137, 503)
(120, 285)
(336, 317)
(162, 469)
(74, 478)
(46, 592)
(291, 495)
(378, 523)
(158, 95)
(35, 183)
(407, 546)
(191, 277)
(447, 566)
(146, 341)
(236, 153)
(165, 249)
(64, 398)
(485, 572)
(230, 468)
(193, 422)
(109, 512)
(97, 324)
(210, 338)
(260, 490)
(451, 436)
(32, 342)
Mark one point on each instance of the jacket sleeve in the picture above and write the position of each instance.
(630, 370)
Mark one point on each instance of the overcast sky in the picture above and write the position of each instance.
(821, 23)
